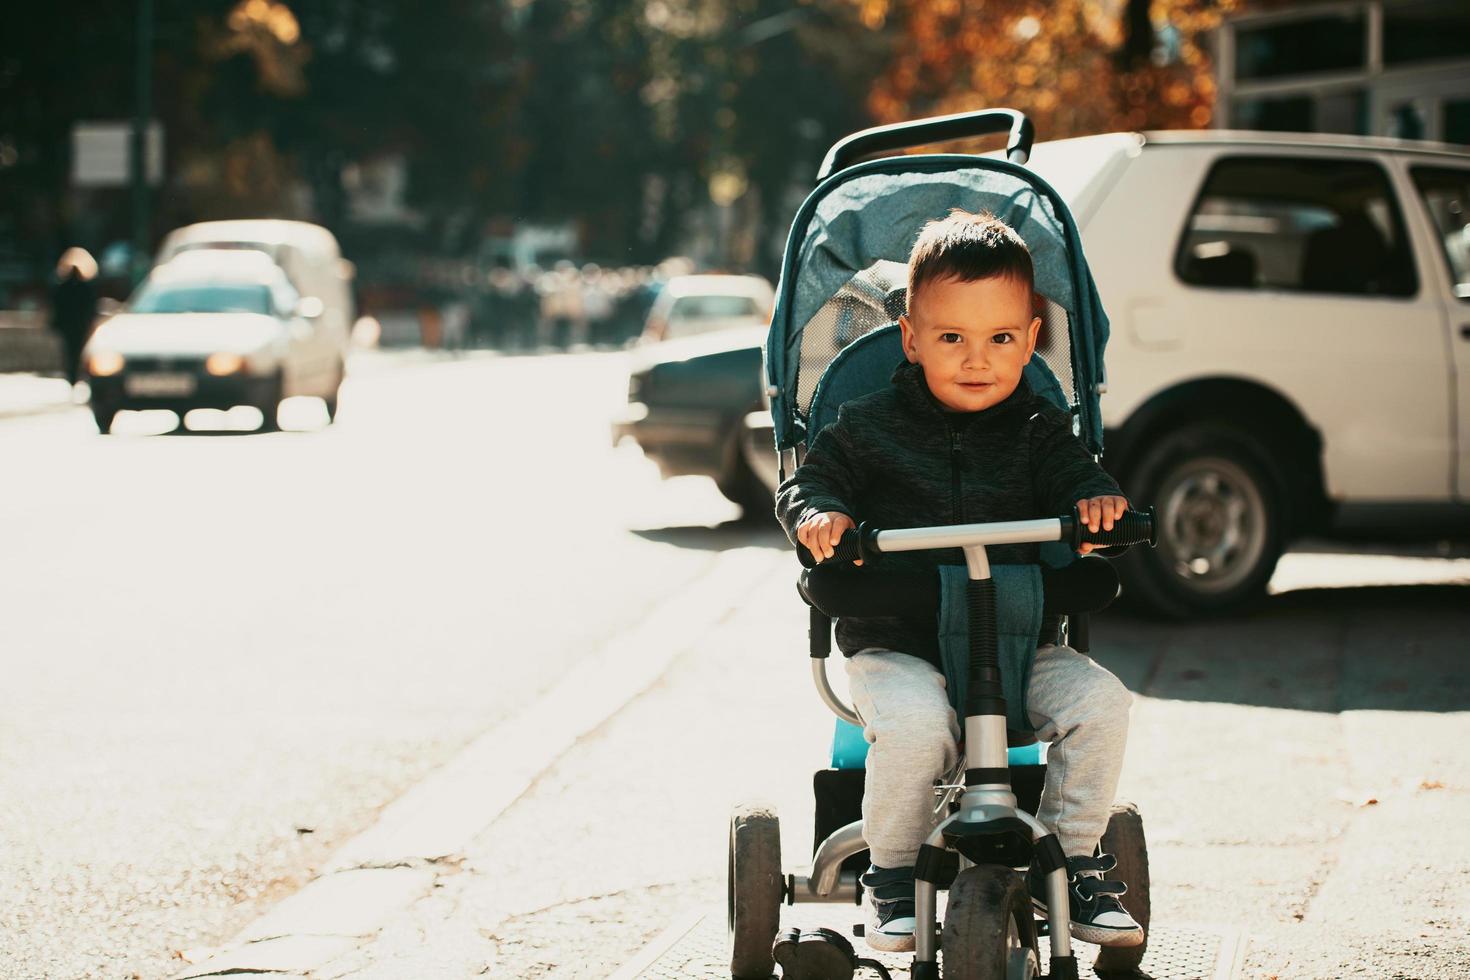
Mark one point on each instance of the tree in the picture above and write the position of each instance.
(1074, 66)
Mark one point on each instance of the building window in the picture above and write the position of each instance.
(1425, 31)
(1300, 224)
(1337, 112)
(1446, 194)
(1301, 47)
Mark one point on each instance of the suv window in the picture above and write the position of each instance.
(1307, 224)
(1446, 193)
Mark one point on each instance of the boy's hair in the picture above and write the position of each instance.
(967, 247)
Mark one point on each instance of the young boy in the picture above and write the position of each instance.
(960, 438)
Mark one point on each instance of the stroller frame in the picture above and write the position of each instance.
(979, 818)
(986, 825)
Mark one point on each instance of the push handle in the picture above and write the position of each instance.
(849, 548)
(1134, 527)
(961, 125)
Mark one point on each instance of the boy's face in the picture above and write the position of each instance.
(972, 339)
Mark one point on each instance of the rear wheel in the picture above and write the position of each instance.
(269, 405)
(1125, 841)
(989, 931)
(104, 416)
(754, 891)
(739, 482)
(1221, 522)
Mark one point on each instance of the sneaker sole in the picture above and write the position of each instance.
(1098, 935)
(889, 944)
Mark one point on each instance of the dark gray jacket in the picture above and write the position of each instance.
(897, 458)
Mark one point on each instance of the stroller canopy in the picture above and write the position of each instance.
(845, 274)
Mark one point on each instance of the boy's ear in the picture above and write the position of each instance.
(910, 343)
(1032, 332)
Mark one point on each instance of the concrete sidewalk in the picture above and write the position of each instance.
(1300, 769)
(31, 394)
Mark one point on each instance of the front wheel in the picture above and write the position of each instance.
(989, 930)
(1125, 841)
(1220, 503)
(754, 891)
(330, 399)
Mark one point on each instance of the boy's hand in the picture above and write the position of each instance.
(1100, 512)
(820, 533)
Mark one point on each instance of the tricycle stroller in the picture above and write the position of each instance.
(834, 337)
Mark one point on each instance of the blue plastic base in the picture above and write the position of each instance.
(850, 749)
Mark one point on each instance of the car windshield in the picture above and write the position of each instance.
(698, 314)
(202, 298)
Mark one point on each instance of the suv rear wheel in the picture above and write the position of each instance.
(1221, 516)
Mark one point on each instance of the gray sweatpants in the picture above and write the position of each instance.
(1075, 704)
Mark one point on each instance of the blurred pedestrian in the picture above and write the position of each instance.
(74, 305)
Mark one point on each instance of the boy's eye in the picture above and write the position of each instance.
(1003, 338)
(950, 338)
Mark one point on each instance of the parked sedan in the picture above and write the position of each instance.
(213, 329)
(688, 401)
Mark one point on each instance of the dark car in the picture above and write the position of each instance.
(690, 405)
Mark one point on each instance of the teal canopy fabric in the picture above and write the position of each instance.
(872, 213)
(1018, 601)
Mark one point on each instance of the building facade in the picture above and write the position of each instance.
(1368, 67)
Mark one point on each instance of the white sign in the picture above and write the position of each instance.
(101, 154)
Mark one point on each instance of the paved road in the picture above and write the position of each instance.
(188, 738)
(225, 652)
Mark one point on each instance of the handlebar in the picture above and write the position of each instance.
(867, 543)
(938, 129)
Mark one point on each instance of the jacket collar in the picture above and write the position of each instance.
(913, 393)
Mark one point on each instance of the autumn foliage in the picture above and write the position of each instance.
(1074, 66)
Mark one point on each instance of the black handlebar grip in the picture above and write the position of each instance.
(1134, 527)
(848, 549)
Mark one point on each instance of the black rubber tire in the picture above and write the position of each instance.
(987, 904)
(1124, 840)
(741, 486)
(1154, 580)
(269, 407)
(104, 417)
(331, 400)
(754, 888)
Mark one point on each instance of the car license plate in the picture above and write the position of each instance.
(160, 384)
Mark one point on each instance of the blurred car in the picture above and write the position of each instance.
(213, 329)
(1290, 348)
(700, 304)
(687, 403)
(308, 253)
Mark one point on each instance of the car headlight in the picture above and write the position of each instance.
(223, 364)
(104, 364)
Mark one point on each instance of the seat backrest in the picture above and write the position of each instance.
(867, 365)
